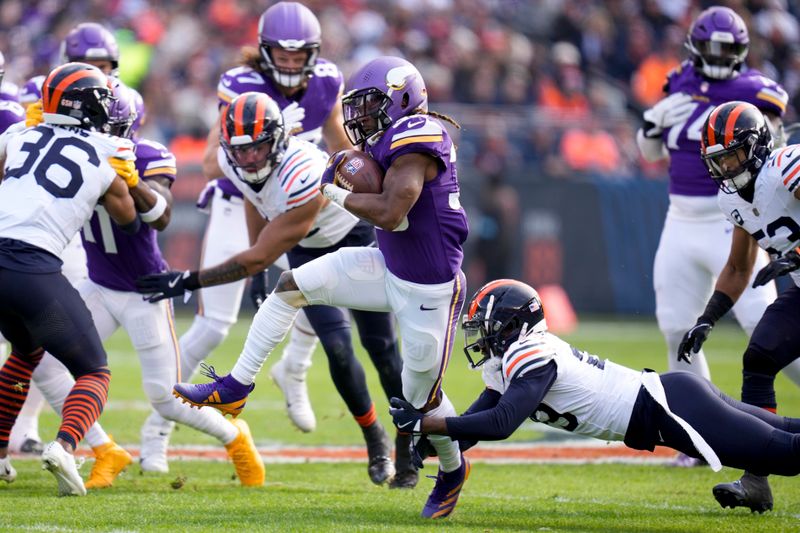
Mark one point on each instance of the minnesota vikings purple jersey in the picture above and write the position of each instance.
(427, 247)
(10, 113)
(9, 91)
(318, 99)
(114, 258)
(32, 90)
(688, 174)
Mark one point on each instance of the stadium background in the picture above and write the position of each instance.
(549, 94)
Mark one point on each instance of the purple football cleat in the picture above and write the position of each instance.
(444, 496)
(224, 393)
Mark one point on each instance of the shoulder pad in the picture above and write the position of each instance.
(525, 355)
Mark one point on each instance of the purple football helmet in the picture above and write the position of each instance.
(718, 43)
(121, 111)
(138, 106)
(90, 41)
(292, 27)
(380, 93)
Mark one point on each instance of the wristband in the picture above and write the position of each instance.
(156, 211)
(719, 304)
(335, 194)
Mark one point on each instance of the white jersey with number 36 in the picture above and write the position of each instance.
(773, 219)
(53, 179)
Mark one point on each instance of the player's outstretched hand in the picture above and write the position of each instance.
(693, 341)
(125, 169)
(789, 262)
(34, 114)
(293, 115)
(157, 287)
(405, 416)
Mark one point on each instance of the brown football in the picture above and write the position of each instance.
(358, 172)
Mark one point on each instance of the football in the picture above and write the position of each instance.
(358, 172)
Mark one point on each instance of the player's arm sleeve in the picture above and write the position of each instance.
(520, 400)
(487, 400)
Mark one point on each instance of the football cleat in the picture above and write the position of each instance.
(155, 440)
(379, 451)
(7, 472)
(62, 465)
(224, 393)
(246, 459)
(750, 491)
(293, 386)
(406, 473)
(110, 460)
(445, 493)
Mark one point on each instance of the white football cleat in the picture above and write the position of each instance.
(294, 388)
(62, 465)
(155, 439)
(7, 472)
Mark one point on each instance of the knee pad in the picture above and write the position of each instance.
(758, 361)
(158, 392)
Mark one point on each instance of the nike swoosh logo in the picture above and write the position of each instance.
(226, 82)
(303, 180)
(423, 308)
(175, 281)
(401, 426)
(415, 123)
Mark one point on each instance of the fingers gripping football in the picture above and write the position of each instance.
(354, 171)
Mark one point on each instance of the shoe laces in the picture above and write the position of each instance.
(209, 372)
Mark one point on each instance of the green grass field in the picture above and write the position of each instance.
(334, 497)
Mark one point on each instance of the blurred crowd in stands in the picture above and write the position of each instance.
(534, 82)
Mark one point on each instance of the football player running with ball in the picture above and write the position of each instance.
(285, 66)
(531, 373)
(415, 271)
(696, 237)
(762, 200)
(279, 177)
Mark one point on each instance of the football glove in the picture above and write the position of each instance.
(329, 175)
(156, 287)
(258, 288)
(34, 114)
(667, 112)
(789, 262)
(405, 416)
(126, 169)
(693, 340)
(293, 116)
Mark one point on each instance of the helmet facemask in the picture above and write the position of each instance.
(256, 160)
(718, 59)
(365, 114)
(729, 167)
(289, 78)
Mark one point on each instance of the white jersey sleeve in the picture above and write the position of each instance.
(54, 177)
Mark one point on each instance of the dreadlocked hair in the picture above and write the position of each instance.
(442, 116)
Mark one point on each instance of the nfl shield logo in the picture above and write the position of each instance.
(353, 166)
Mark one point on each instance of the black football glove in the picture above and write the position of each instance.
(405, 416)
(789, 262)
(693, 340)
(170, 284)
(258, 288)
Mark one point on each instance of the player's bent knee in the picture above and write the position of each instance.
(159, 393)
(760, 362)
(286, 282)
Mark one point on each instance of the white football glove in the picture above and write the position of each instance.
(293, 116)
(667, 112)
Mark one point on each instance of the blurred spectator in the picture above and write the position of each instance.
(562, 93)
(587, 149)
(648, 80)
(496, 229)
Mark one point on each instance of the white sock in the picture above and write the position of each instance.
(446, 448)
(302, 342)
(202, 338)
(269, 327)
(209, 421)
(55, 382)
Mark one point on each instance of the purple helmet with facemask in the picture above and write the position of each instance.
(292, 27)
(90, 41)
(121, 111)
(138, 106)
(718, 43)
(380, 93)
